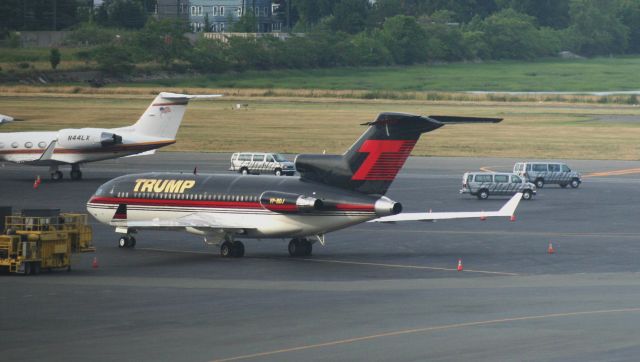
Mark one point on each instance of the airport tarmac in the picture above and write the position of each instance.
(375, 292)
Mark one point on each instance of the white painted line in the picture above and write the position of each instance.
(424, 330)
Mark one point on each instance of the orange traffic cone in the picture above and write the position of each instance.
(482, 216)
(94, 264)
(550, 249)
(460, 267)
(37, 182)
(513, 217)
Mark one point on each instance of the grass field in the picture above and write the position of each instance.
(600, 74)
(298, 124)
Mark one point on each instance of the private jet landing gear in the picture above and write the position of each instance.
(56, 175)
(300, 247)
(233, 249)
(127, 241)
(76, 174)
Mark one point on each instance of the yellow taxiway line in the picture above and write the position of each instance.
(425, 330)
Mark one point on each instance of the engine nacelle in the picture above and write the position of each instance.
(384, 206)
(287, 202)
(87, 138)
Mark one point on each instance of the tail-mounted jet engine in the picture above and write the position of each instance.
(384, 206)
(87, 138)
(287, 202)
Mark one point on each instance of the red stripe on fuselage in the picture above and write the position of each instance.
(220, 204)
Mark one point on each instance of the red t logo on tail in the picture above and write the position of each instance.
(384, 160)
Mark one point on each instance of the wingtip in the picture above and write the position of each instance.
(510, 207)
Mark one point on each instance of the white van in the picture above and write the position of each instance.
(261, 162)
(542, 173)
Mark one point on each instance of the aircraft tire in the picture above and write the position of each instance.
(294, 247)
(226, 250)
(76, 175)
(238, 249)
(307, 248)
(56, 176)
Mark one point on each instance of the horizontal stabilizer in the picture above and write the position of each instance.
(7, 119)
(457, 119)
(506, 211)
(176, 96)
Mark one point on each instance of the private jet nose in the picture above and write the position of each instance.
(384, 206)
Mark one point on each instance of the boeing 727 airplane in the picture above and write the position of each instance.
(332, 193)
(156, 128)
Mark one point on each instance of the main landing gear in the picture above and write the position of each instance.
(56, 175)
(300, 247)
(232, 249)
(127, 241)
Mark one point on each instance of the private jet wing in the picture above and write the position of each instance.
(6, 119)
(506, 211)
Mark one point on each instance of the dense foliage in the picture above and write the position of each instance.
(345, 32)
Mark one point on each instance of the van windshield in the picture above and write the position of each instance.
(279, 158)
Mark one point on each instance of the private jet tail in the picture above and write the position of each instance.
(372, 163)
(163, 117)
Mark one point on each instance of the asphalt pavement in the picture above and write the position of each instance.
(375, 292)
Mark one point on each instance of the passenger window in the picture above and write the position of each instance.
(28, 144)
(501, 178)
(258, 157)
(515, 179)
(528, 167)
(270, 158)
(565, 168)
(14, 145)
(469, 178)
(484, 178)
(540, 167)
(244, 157)
(554, 168)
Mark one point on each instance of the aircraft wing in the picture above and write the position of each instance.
(6, 119)
(196, 220)
(506, 211)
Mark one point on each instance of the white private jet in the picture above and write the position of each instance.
(157, 127)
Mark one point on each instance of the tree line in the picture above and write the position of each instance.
(358, 33)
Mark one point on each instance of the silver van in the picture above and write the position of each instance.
(483, 184)
(541, 173)
(261, 162)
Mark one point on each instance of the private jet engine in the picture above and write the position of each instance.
(87, 138)
(287, 202)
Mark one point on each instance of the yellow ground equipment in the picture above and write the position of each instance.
(32, 243)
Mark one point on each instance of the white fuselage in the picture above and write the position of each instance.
(267, 224)
(29, 147)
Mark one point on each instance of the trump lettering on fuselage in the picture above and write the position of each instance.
(168, 186)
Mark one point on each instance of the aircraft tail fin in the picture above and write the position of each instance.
(371, 164)
(163, 117)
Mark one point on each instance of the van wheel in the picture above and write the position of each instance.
(483, 194)
(540, 183)
(278, 172)
(527, 195)
(575, 183)
(244, 171)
